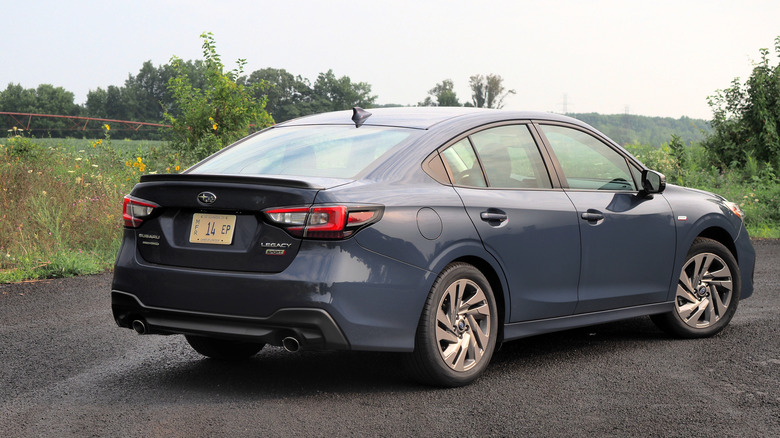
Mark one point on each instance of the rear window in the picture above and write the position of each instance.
(324, 151)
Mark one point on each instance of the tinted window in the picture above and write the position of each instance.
(587, 162)
(463, 164)
(511, 158)
(326, 151)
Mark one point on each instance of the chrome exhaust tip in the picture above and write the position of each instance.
(139, 327)
(291, 344)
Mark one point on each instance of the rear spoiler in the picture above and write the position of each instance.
(300, 182)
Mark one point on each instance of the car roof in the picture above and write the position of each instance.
(424, 117)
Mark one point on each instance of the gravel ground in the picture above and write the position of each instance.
(67, 370)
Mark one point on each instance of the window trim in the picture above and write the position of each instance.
(540, 146)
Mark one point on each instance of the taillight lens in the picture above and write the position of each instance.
(135, 210)
(324, 221)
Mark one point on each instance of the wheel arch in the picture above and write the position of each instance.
(722, 236)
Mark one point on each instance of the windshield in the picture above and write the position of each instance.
(324, 151)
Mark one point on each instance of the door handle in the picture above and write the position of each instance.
(592, 216)
(492, 216)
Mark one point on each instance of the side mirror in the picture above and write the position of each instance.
(652, 182)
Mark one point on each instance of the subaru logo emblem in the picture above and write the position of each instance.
(207, 198)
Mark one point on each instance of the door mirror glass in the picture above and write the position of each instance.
(653, 182)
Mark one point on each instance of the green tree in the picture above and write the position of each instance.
(17, 99)
(107, 104)
(146, 95)
(45, 99)
(287, 96)
(443, 93)
(332, 94)
(746, 117)
(488, 91)
(217, 114)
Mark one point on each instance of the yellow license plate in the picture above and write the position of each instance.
(216, 229)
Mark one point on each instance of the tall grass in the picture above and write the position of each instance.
(60, 202)
(122, 147)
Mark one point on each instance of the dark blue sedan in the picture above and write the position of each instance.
(437, 232)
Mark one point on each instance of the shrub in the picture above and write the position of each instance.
(217, 114)
(746, 117)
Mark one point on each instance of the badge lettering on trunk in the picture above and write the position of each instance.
(275, 245)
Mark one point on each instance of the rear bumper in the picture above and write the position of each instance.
(334, 295)
(313, 328)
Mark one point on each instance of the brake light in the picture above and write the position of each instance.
(135, 211)
(325, 221)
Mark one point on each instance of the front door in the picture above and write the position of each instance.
(627, 240)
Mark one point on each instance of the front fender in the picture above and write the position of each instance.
(708, 216)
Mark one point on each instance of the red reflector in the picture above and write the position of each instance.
(359, 217)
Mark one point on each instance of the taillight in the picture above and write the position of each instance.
(324, 221)
(135, 210)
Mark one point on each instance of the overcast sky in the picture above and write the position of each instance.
(655, 58)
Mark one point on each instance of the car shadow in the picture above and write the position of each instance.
(275, 373)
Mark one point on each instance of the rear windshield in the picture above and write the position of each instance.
(325, 151)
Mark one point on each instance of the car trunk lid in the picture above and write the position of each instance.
(216, 221)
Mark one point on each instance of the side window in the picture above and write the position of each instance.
(511, 158)
(587, 162)
(463, 164)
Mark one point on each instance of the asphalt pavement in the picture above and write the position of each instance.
(67, 370)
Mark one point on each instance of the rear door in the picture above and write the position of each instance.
(529, 227)
(628, 241)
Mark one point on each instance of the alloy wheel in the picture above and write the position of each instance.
(704, 290)
(463, 325)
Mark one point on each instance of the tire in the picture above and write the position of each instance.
(223, 349)
(708, 290)
(458, 328)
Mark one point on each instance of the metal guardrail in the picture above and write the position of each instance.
(80, 123)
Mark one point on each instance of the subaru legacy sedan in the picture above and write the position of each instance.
(438, 233)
